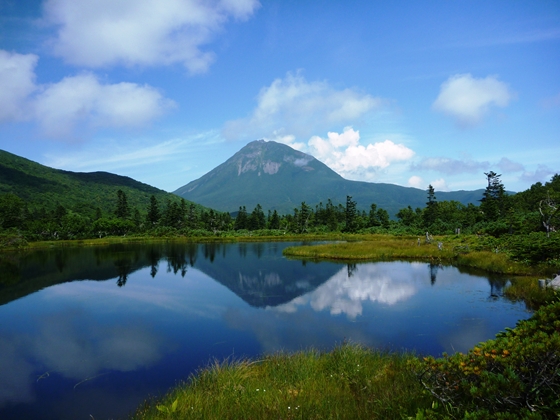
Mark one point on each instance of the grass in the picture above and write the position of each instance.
(13, 245)
(459, 251)
(350, 382)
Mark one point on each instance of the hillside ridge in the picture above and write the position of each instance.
(43, 186)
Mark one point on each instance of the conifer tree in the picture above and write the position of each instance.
(153, 215)
(431, 210)
(241, 219)
(493, 201)
(122, 211)
(350, 215)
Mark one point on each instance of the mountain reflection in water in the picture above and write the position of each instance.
(97, 330)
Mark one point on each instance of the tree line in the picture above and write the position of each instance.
(534, 210)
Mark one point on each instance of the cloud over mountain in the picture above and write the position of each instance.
(344, 154)
(292, 106)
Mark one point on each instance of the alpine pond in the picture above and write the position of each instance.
(92, 332)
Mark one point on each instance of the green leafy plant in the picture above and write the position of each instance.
(516, 375)
(171, 409)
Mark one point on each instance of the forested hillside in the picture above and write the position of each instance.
(48, 203)
(43, 187)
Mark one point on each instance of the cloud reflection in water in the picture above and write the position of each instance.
(345, 292)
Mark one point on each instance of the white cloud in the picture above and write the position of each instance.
(59, 107)
(467, 99)
(288, 139)
(125, 155)
(450, 166)
(416, 182)
(507, 165)
(17, 82)
(344, 154)
(294, 107)
(439, 185)
(542, 174)
(98, 33)
(82, 99)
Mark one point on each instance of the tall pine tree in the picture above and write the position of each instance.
(350, 215)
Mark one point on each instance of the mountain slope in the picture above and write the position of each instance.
(278, 177)
(41, 186)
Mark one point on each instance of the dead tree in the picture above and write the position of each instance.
(548, 209)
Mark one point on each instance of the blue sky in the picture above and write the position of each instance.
(402, 92)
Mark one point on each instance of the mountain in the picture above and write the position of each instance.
(278, 177)
(41, 186)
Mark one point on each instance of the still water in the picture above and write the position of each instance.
(92, 332)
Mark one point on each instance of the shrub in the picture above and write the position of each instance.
(517, 375)
(534, 247)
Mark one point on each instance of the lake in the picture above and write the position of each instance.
(94, 331)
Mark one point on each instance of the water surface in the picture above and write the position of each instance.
(95, 331)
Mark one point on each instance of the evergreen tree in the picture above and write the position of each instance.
(192, 217)
(153, 215)
(383, 217)
(257, 219)
(172, 216)
(350, 215)
(274, 222)
(302, 217)
(241, 219)
(122, 211)
(431, 210)
(373, 220)
(493, 203)
(211, 221)
(331, 219)
(137, 218)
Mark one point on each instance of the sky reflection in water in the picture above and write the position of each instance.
(101, 347)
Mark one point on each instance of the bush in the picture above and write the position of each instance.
(12, 238)
(533, 248)
(517, 375)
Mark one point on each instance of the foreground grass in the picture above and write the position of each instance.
(350, 382)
